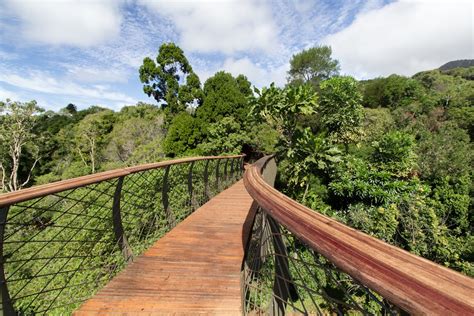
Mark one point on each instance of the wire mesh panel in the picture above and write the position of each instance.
(281, 275)
(60, 248)
(141, 206)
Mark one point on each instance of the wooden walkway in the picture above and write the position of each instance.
(194, 269)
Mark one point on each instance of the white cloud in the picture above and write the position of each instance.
(405, 37)
(43, 82)
(7, 55)
(7, 94)
(141, 34)
(257, 74)
(72, 22)
(91, 74)
(225, 26)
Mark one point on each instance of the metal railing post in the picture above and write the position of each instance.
(164, 193)
(190, 186)
(217, 175)
(120, 237)
(6, 303)
(225, 174)
(232, 170)
(206, 181)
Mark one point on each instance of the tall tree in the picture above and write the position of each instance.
(312, 66)
(90, 136)
(225, 96)
(171, 80)
(183, 135)
(16, 133)
(341, 109)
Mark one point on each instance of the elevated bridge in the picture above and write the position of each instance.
(190, 236)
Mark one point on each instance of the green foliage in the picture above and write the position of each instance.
(408, 178)
(341, 109)
(129, 135)
(356, 180)
(263, 138)
(449, 89)
(463, 72)
(445, 152)
(376, 123)
(312, 66)
(224, 137)
(183, 135)
(171, 80)
(379, 221)
(301, 152)
(283, 109)
(391, 92)
(225, 96)
(71, 109)
(89, 137)
(395, 153)
(464, 117)
(450, 198)
(17, 135)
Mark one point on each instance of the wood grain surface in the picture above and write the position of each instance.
(194, 269)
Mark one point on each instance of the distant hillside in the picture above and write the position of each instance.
(463, 63)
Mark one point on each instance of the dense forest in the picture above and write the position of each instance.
(391, 156)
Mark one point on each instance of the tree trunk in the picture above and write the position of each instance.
(92, 154)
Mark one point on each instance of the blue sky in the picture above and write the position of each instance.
(88, 52)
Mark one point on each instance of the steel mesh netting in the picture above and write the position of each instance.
(197, 184)
(179, 198)
(59, 249)
(141, 209)
(281, 275)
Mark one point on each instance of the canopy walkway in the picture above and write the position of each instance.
(188, 236)
(195, 268)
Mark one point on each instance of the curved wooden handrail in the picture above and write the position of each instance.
(415, 284)
(59, 186)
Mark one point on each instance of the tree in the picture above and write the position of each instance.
(301, 152)
(16, 134)
(184, 134)
(164, 80)
(312, 66)
(225, 96)
(90, 136)
(341, 109)
(71, 108)
(129, 135)
(395, 152)
(284, 108)
(393, 91)
(224, 137)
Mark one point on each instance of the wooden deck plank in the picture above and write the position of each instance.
(194, 269)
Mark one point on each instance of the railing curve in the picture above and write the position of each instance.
(61, 242)
(300, 260)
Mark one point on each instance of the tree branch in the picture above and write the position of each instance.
(29, 173)
(3, 177)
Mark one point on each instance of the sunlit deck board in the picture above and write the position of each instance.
(193, 269)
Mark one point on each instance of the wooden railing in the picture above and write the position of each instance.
(300, 260)
(61, 242)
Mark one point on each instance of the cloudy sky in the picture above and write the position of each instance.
(88, 52)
